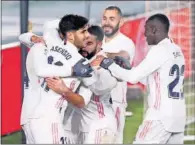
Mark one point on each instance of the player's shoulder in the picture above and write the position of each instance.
(158, 50)
(38, 47)
(123, 39)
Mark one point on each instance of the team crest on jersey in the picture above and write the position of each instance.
(62, 51)
(176, 54)
(45, 51)
(72, 85)
(107, 137)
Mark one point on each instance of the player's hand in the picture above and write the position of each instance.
(110, 55)
(122, 62)
(37, 39)
(82, 70)
(57, 85)
(97, 61)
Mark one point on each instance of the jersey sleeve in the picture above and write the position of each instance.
(143, 81)
(41, 66)
(50, 32)
(155, 58)
(25, 39)
(104, 82)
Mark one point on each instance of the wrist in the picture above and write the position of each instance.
(65, 91)
(111, 55)
(106, 63)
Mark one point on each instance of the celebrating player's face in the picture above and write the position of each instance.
(92, 46)
(111, 22)
(149, 33)
(80, 37)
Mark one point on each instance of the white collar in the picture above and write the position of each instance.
(166, 40)
(111, 39)
(72, 45)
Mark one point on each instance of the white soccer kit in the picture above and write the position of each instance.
(117, 44)
(98, 116)
(163, 68)
(48, 107)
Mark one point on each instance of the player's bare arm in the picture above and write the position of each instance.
(57, 85)
(122, 53)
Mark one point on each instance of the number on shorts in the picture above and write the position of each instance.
(175, 82)
(64, 140)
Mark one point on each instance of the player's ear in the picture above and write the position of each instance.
(121, 22)
(154, 30)
(61, 36)
(70, 36)
(99, 45)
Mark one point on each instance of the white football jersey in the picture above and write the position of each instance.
(57, 56)
(117, 44)
(99, 105)
(163, 69)
(40, 100)
(48, 62)
(36, 61)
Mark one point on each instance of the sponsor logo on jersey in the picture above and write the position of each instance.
(62, 51)
(176, 54)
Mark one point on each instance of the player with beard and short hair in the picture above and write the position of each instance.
(117, 44)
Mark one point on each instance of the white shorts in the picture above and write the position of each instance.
(153, 132)
(101, 131)
(119, 109)
(45, 131)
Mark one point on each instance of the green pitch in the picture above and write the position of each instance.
(131, 126)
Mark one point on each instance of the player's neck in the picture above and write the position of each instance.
(107, 39)
(72, 42)
(160, 38)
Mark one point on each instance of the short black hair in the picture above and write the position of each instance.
(71, 22)
(162, 18)
(115, 8)
(96, 31)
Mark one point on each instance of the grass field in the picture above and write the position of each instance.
(131, 126)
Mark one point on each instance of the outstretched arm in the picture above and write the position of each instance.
(151, 63)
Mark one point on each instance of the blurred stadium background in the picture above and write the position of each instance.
(181, 14)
